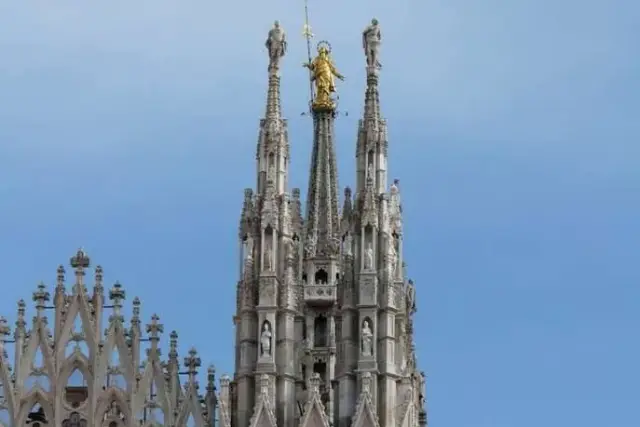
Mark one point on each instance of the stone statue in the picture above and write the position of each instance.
(393, 258)
(370, 172)
(265, 340)
(248, 249)
(268, 258)
(367, 339)
(322, 73)
(368, 258)
(310, 248)
(74, 420)
(347, 244)
(277, 45)
(411, 297)
(271, 175)
(371, 39)
(422, 380)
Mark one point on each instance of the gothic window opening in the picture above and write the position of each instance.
(321, 277)
(38, 376)
(320, 332)
(190, 421)
(304, 278)
(77, 390)
(77, 341)
(115, 372)
(36, 416)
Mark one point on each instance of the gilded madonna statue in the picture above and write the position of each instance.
(322, 74)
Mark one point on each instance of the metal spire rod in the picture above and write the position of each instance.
(306, 32)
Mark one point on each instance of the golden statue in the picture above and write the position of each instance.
(322, 73)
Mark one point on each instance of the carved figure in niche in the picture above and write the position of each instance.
(265, 340)
(371, 39)
(370, 172)
(74, 420)
(248, 249)
(347, 244)
(422, 380)
(393, 258)
(411, 297)
(367, 339)
(368, 257)
(277, 45)
(271, 176)
(310, 248)
(268, 257)
(403, 346)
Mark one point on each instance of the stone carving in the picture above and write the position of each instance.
(371, 39)
(265, 340)
(268, 257)
(347, 245)
(271, 175)
(393, 258)
(74, 420)
(422, 380)
(367, 339)
(310, 248)
(370, 172)
(277, 46)
(368, 258)
(410, 292)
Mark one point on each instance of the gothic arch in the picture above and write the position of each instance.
(77, 361)
(35, 397)
(105, 400)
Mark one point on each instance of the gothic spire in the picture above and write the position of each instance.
(372, 134)
(273, 142)
(323, 221)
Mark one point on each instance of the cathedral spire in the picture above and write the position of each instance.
(372, 147)
(273, 142)
(323, 222)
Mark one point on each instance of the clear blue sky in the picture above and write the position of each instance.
(129, 128)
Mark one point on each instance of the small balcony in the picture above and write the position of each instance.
(320, 293)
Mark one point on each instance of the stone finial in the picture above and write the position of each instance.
(98, 277)
(211, 378)
(264, 384)
(366, 382)
(136, 310)
(60, 277)
(347, 192)
(295, 193)
(225, 382)
(173, 345)
(155, 328)
(117, 295)
(5, 330)
(314, 383)
(192, 362)
(80, 260)
(41, 296)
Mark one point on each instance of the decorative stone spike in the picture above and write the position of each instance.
(80, 260)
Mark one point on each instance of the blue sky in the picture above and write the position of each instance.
(129, 128)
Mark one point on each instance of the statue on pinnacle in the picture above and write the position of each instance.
(277, 46)
(371, 39)
(322, 74)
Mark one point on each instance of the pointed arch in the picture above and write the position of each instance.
(314, 413)
(116, 344)
(78, 310)
(106, 401)
(153, 382)
(37, 347)
(30, 400)
(190, 408)
(76, 395)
